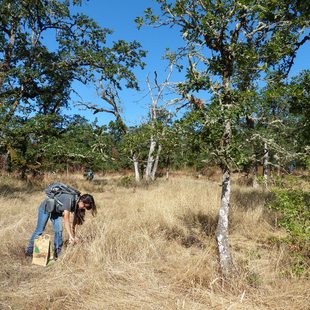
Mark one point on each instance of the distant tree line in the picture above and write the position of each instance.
(55, 142)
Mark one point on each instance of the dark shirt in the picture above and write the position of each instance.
(65, 202)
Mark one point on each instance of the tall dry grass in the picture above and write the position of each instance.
(149, 247)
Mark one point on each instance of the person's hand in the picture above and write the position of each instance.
(71, 240)
(76, 240)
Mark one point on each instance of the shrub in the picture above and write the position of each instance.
(293, 207)
(127, 181)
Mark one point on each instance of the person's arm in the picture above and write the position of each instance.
(68, 226)
(74, 230)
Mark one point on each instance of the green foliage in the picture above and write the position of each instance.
(229, 46)
(37, 78)
(307, 163)
(36, 82)
(127, 182)
(185, 142)
(294, 215)
(254, 279)
(299, 107)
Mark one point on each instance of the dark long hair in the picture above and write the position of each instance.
(79, 214)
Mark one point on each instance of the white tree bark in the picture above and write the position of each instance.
(156, 92)
(222, 226)
(150, 161)
(136, 168)
(155, 166)
(265, 163)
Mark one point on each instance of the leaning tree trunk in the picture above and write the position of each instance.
(150, 160)
(155, 166)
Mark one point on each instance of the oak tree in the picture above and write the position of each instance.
(229, 46)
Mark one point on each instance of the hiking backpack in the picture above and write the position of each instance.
(53, 192)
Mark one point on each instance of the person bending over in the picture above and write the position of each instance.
(64, 207)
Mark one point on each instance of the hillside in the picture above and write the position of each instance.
(150, 247)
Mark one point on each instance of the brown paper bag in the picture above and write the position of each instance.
(42, 250)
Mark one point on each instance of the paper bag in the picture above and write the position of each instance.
(42, 250)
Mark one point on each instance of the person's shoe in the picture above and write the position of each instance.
(28, 254)
(51, 261)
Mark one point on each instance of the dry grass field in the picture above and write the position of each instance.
(150, 247)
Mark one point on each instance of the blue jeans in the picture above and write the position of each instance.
(56, 219)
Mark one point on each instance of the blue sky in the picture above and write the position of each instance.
(119, 16)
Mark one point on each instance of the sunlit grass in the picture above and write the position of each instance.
(150, 247)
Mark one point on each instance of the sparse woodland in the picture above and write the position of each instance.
(205, 205)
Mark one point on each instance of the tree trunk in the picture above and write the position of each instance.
(265, 163)
(155, 166)
(167, 167)
(222, 225)
(255, 170)
(150, 160)
(167, 173)
(136, 167)
(4, 162)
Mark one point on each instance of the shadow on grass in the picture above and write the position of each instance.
(93, 186)
(193, 229)
(11, 191)
(102, 182)
(185, 238)
(249, 200)
(204, 223)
